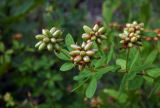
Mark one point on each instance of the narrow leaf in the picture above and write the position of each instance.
(69, 41)
(67, 66)
(91, 88)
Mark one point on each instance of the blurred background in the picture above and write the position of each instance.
(31, 79)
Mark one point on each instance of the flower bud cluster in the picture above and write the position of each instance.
(49, 39)
(81, 55)
(131, 35)
(96, 33)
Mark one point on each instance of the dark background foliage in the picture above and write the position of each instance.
(31, 79)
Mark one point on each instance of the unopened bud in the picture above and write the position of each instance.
(87, 29)
(122, 41)
(74, 46)
(80, 67)
(83, 45)
(46, 39)
(133, 39)
(52, 30)
(82, 53)
(59, 40)
(86, 58)
(131, 30)
(128, 25)
(38, 44)
(101, 30)
(85, 36)
(103, 37)
(53, 40)
(76, 52)
(39, 37)
(42, 46)
(49, 47)
(57, 46)
(88, 46)
(57, 33)
(130, 45)
(46, 32)
(93, 38)
(96, 27)
(90, 53)
(99, 40)
(77, 58)
(135, 23)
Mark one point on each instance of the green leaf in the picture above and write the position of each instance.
(110, 53)
(121, 98)
(123, 84)
(131, 73)
(149, 34)
(155, 72)
(67, 66)
(151, 57)
(99, 72)
(91, 88)
(108, 9)
(135, 83)
(83, 74)
(69, 41)
(148, 79)
(100, 62)
(134, 61)
(62, 56)
(2, 47)
(121, 63)
(145, 11)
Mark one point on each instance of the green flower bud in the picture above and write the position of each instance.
(77, 58)
(46, 32)
(59, 40)
(134, 23)
(88, 46)
(103, 36)
(38, 44)
(49, 47)
(53, 40)
(93, 38)
(83, 45)
(80, 67)
(96, 27)
(99, 40)
(101, 30)
(90, 53)
(87, 29)
(130, 45)
(57, 46)
(82, 53)
(75, 52)
(39, 37)
(46, 39)
(57, 33)
(42, 46)
(133, 39)
(122, 41)
(86, 59)
(85, 36)
(74, 46)
(52, 30)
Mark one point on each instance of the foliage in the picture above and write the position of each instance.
(114, 77)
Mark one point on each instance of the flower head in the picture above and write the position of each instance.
(81, 55)
(131, 35)
(49, 39)
(96, 33)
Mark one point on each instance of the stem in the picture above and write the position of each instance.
(127, 57)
